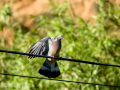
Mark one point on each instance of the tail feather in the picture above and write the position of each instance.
(50, 70)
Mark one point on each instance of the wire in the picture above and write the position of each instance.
(59, 80)
(74, 60)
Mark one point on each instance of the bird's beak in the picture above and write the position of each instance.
(62, 38)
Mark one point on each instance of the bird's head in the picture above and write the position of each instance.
(59, 37)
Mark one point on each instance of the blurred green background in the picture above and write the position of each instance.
(98, 42)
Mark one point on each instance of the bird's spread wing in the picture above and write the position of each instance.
(41, 47)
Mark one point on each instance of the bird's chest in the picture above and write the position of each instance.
(55, 49)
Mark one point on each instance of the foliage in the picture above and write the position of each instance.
(82, 41)
(4, 15)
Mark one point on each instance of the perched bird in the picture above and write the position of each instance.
(51, 47)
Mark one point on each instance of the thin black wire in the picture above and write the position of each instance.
(74, 60)
(58, 80)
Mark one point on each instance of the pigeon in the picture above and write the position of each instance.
(48, 47)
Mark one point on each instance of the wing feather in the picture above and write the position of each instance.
(40, 48)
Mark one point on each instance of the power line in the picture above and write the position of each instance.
(74, 60)
(67, 59)
(60, 80)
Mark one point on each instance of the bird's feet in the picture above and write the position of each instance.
(53, 56)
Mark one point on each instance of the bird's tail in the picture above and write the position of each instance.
(49, 69)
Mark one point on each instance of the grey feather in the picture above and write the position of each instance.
(40, 48)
